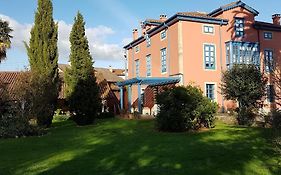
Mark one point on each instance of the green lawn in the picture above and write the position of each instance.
(118, 147)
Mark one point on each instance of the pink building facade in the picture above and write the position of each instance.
(197, 47)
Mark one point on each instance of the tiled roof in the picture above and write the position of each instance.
(106, 73)
(9, 79)
(119, 72)
(233, 5)
(267, 26)
(153, 21)
(198, 14)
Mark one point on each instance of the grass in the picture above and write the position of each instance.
(118, 147)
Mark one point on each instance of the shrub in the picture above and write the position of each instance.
(30, 93)
(17, 126)
(184, 108)
(105, 115)
(245, 84)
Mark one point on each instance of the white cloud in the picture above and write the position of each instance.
(97, 36)
(21, 32)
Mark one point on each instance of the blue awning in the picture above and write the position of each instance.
(152, 81)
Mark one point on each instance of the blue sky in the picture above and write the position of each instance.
(109, 23)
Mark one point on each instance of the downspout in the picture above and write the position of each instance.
(221, 63)
(168, 56)
(133, 59)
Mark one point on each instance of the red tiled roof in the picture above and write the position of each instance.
(9, 79)
(198, 14)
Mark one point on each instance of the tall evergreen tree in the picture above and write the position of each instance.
(43, 58)
(82, 90)
(5, 38)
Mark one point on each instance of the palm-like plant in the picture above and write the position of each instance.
(5, 38)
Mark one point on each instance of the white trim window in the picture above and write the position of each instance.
(148, 65)
(208, 29)
(239, 27)
(137, 62)
(163, 60)
(209, 56)
(210, 91)
(267, 35)
(137, 49)
(163, 34)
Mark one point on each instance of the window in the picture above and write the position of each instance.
(242, 53)
(270, 93)
(163, 34)
(268, 60)
(209, 29)
(148, 40)
(137, 49)
(209, 56)
(267, 35)
(137, 68)
(148, 65)
(210, 91)
(239, 27)
(163, 60)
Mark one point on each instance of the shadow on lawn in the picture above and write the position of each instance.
(135, 148)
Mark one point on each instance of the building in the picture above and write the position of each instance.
(196, 47)
(106, 80)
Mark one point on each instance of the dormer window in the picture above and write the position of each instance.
(239, 27)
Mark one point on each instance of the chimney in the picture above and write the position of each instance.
(276, 19)
(135, 34)
(110, 68)
(163, 17)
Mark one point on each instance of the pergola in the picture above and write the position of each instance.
(151, 81)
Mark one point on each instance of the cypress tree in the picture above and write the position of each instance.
(82, 90)
(43, 58)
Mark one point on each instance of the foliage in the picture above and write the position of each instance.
(82, 90)
(43, 58)
(184, 108)
(14, 125)
(5, 38)
(245, 84)
(30, 93)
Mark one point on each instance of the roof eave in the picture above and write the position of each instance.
(173, 20)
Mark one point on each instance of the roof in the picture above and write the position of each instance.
(199, 14)
(267, 26)
(181, 16)
(154, 22)
(119, 72)
(9, 79)
(106, 73)
(152, 81)
(233, 5)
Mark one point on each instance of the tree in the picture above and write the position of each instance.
(82, 90)
(184, 108)
(246, 85)
(43, 58)
(5, 38)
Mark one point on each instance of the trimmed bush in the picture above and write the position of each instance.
(184, 108)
